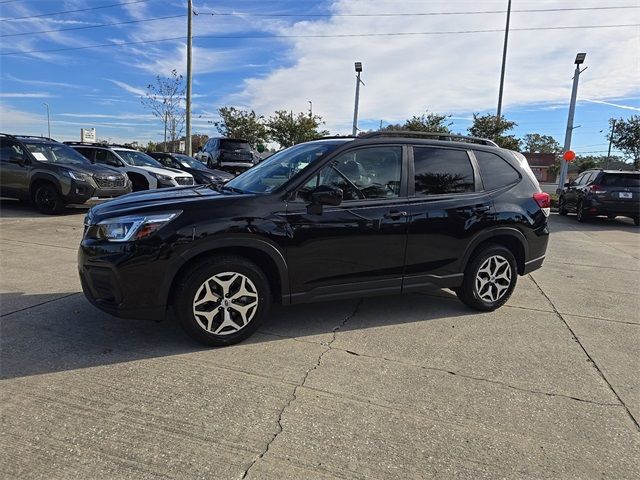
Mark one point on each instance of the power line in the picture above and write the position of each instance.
(344, 35)
(92, 26)
(73, 11)
(480, 12)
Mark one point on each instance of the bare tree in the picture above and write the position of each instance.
(165, 99)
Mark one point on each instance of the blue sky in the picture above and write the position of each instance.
(301, 54)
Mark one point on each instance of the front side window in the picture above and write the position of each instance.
(495, 171)
(441, 171)
(105, 157)
(10, 151)
(366, 173)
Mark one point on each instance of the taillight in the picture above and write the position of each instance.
(542, 199)
(544, 202)
(597, 189)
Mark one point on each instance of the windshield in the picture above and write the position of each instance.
(189, 162)
(624, 180)
(56, 153)
(234, 145)
(138, 159)
(276, 170)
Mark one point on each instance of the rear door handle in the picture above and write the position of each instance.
(395, 214)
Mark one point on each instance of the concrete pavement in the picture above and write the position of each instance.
(389, 387)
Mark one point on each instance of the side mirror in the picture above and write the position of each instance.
(324, 195)
(18, 159)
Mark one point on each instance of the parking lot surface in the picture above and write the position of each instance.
(415, 386)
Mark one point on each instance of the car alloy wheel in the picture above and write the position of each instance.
(580, 213)
(48, 200)
(225, 303)
(493, 278)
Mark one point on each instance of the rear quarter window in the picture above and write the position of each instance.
(495, 171)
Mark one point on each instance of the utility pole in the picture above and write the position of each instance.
(504, 63)
(564, 165)
(164, 145)
(49, 119)
(613, 126)
(188, 99)
(310, 108)
(358, 66)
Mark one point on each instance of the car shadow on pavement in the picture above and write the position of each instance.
(68, 333)
(20, 209)
(594, 224)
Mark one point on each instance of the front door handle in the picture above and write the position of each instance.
(395, 214)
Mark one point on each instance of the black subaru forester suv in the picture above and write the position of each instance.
(383, 213)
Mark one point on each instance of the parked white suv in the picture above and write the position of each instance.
(144, 171)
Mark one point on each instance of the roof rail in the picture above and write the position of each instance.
(29, 136)
(330, 137)
(434, 135)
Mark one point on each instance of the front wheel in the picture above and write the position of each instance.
(636, 221)
(48, 200)
(223, 301)
(489, 278)
(581, 215)
(562, 206)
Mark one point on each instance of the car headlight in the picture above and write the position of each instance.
(163, 178)
(131, 227)
(81, 177)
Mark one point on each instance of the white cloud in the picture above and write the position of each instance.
(120, 116)
(129, 88)
(455, 73)
(42, 83)
(25, 95)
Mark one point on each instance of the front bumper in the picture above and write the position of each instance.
(84, 193)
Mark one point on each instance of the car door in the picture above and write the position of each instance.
(446, 208)
(571, 193)
(359, 245)
(14, 169)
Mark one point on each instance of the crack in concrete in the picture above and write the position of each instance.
(593, 362)
(41, 303)
(294, 394)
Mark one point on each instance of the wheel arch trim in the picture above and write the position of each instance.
(486, 235)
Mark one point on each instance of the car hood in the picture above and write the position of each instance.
(91, 169)
(170, 172)
(153, 200)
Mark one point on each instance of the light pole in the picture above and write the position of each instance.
(358, 66)
(310, 108)
(504, 63)
(564, 165)
(188, 99)
(48, 119)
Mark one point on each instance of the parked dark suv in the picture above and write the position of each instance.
(53, 175)
(199, 171)
(233, 154)
(602, 192)
(329, 219)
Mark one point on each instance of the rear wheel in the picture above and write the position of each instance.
(581, 214)
(223, 301)
(48, 200)
(489, 278)
(636, 221)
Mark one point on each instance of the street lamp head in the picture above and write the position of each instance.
(358, 67)
(580, 58)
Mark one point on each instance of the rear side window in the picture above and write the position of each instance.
(495, 171)
(442, 170)
(86, 153)
(621, 180)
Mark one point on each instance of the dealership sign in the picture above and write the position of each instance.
(88, 135)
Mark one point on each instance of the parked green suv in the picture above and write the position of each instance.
(53, 175)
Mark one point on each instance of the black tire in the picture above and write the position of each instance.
(581, 215)
(468, 293)
(562, 208)
(611, 217)
(636, 221)
(192, 285)
(48, 200)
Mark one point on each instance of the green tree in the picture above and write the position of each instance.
(487, 126)
(245, 124)
(288, 129)
(429, 122)
(536, 143)
(626, 137)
